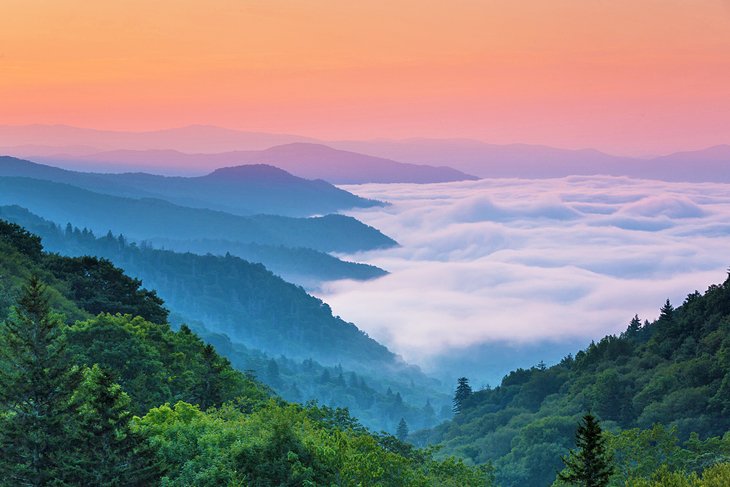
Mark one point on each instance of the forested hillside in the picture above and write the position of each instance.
(243, 190)
(69, 390)
(232, 296)
(292, 341)
(300, 265)
(661, 388)
(148, 218)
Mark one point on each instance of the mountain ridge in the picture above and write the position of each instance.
(244, 190)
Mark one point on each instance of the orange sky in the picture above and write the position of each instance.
(628, 76)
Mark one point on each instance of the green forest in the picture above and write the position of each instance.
(116, 397)
(292, 340)
(98, 388)
(661, 389)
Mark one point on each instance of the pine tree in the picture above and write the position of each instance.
(666, 311)
(402, 431)
(210, 390)
(108, 452)
(35, 390)
(589, 465)
(634, 326)
(463, 393)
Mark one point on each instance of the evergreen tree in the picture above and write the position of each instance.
(402, 431)
(590, 465)
(463, 393)
(108, 452)
(634, 326)
(36, 385)
(428, 414)
(210, 390)
(666, 311)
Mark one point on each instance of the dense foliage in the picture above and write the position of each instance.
(68, 393)
(312, 355)
(674, 371)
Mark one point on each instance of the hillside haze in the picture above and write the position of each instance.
(244, 190)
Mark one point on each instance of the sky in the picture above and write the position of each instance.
(627, 77)
(524, 262)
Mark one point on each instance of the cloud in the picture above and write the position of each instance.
(530, 261)
(669, 206)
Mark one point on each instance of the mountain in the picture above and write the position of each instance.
(243, 190)
(493, 160)
(419, 159)
(537, 161)
(263, 324)
(193, 138)
(666, 381)
(232, 296)
(307, 160)
(299, 265)
(147, 218)
(70, 390)
(711, 164)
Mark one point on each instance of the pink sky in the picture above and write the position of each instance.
(623, 76)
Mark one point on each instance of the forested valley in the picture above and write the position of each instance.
(268, 327)
(92, 359)
(97, 389)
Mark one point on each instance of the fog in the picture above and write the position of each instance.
(525, 262)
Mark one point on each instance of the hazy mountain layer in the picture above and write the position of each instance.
(537, 161)
(311, 161)
(244, 190)
(292, 341)
(193, 138)
(148, 218)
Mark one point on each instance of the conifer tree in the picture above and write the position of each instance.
(634, 326)
(667, 311)
(589, 465)
(108, 452)
(210, 390)
(402, 431)
(463, 392)
(35, 390)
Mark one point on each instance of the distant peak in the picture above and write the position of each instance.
(251, 171)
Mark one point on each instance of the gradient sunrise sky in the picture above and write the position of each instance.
(625, 76)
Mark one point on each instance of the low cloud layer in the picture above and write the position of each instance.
(525, 261)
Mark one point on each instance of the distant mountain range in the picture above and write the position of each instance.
(148, 218)
(243, 190)
(537, 161)
(409, 160)
(148, 208)
(306, 160)
(193, 138)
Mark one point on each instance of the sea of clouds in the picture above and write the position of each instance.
(522, 262)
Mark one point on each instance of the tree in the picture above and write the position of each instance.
(108, 452)
(402, 431)
(463, 393)
(590, 465)
(667, 311)
(634, 327)
(36, 385)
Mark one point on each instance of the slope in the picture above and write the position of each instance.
(231, 302)
(153, 218)
(224, 427)
(674, 371)
(242, 190)
(538, 161)
(307, 160)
